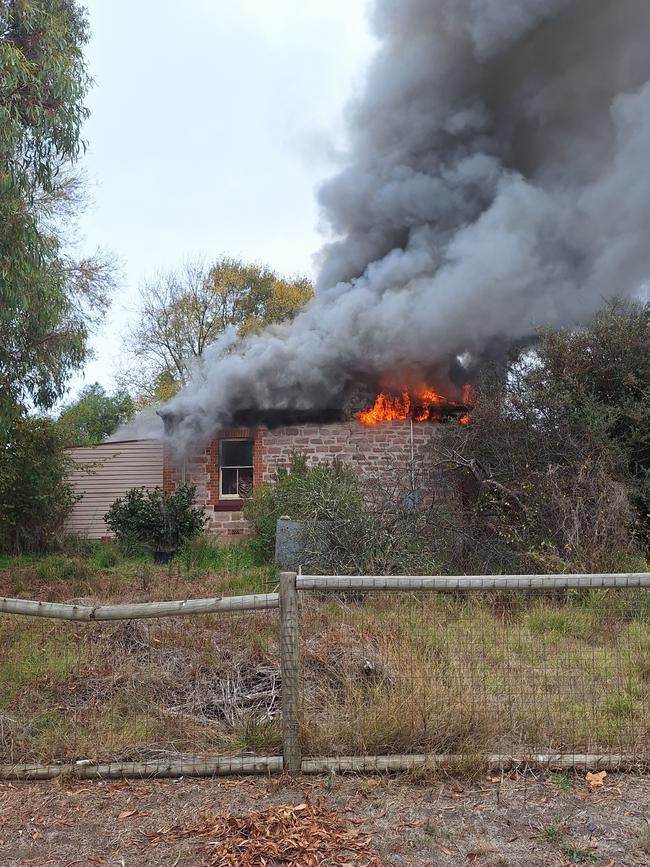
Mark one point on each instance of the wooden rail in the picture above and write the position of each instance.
(186, 767)
(240, 765)
(342, 583)
(401, 764)
(139, 610)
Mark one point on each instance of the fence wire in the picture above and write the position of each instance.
(505, 673)
(153, 691)
(502, 673)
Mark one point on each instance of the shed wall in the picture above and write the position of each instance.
(105, 472)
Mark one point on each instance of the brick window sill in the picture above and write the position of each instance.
(229, 506)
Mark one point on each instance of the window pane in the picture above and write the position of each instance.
(236, 453)
(228, 482)
(245, 482)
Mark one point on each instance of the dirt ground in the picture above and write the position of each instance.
(521, 820)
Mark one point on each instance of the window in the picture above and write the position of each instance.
(235, 468)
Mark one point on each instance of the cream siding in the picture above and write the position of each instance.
(106, 472)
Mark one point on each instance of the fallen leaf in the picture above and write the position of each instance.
(306, 834)
(126, 813)
(595, 781)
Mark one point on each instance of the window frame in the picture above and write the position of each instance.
(235, 497)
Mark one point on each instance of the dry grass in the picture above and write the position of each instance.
(448, 675)
(384, 674)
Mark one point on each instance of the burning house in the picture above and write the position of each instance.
(493, 184)
(387, 438)
(490, 188)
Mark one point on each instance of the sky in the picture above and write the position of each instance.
(212, 123)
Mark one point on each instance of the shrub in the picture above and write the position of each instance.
(322, 492)
(351, 527)
(543, 490)
(154, 519)
(34, 495)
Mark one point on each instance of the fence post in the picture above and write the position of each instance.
(290, 670)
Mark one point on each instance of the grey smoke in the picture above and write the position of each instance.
(496, 182)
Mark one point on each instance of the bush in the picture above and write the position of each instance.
(543, 487)
(351, 527)
(318, 493)
(155, 519)
(34, 495)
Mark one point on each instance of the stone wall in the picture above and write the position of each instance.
(387, 452)
(374, 450)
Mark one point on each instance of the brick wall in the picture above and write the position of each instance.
(224, 516)
(383, 450)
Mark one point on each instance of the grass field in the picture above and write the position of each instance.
(384, 673)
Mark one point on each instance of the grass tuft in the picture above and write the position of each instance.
(259, 736)
(562, 780)
(554, 832)
(58, 567)
(578, 854)
(106, 556)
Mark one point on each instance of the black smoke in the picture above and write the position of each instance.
(496, 182)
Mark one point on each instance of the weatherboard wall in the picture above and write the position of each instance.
(105, 472)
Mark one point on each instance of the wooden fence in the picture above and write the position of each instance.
(287, 602)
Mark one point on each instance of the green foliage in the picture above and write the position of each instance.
(155, 519)
(106, 556)
(205, 553)
(323, 492)
(601, 376)
(553, 468)
(94, 415)
(184, 311)
(563, 781)
(35, 498)
(260, 736)
(578, 854)
(47, 300)
(554, 832)
(60, 568)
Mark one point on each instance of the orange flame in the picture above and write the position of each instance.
(425, 405)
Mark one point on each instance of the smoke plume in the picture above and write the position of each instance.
(496, 182)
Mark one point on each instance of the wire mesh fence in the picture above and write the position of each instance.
(510, 674)
(347, 674)
(161, 692)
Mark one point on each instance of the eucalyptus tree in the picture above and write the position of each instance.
(48, 299)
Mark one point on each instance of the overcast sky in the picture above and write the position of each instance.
(212, 123)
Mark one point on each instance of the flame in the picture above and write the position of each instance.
(422, 405)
